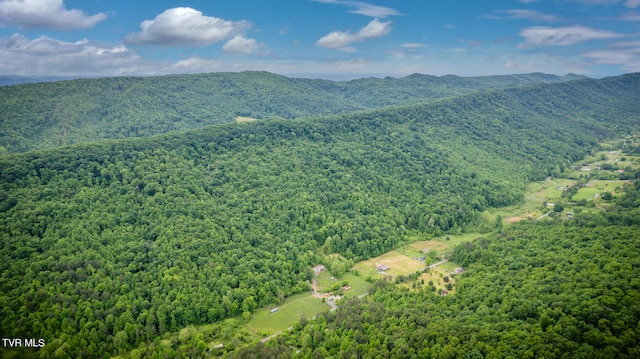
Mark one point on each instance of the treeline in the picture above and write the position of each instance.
(108, 246)
(532, 290)
(44, 115)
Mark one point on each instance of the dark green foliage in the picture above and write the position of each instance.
(44, 115)
(107, 246)
(532, 290)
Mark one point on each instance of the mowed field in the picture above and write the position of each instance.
(294, 308)
(399, 264)
(358, 283)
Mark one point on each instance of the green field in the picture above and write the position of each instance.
(294, 308)
(535, 194)
(358, 285)
(398, 264)
(586, 193)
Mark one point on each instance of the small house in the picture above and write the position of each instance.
(457, 270)
(274, 310)
(319, 269)
(383, 267)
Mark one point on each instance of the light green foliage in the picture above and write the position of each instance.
(535, 289)
(109, 246)
(44, 115)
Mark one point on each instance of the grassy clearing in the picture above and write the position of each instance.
(294, 308)
(241, 119)
(326, 280)
(535, 194)
(358, 285)
(398, 263)
(611, 186)
(586, 193)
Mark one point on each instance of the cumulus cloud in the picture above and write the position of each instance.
(366, 9)
(560, 36)
(340, 40)
(241, 45)
(45, 14)
(523, 14)
(184, 26)
(49, 57)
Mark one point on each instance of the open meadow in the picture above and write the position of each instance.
(304, 305)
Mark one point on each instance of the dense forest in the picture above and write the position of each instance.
(532, 290)
(43, 115)
(106, 246)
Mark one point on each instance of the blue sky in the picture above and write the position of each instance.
(336, 39)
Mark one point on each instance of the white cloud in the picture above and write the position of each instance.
(625, 54)
(340, 40)
(627, 3)
(412, 45)
(49, 57)
(196, 65)
(630, 16)
(561, 36)
(632, 3)
(241, 45)
(185, 26)
(523, 14)
(363, 8)
(45, 14)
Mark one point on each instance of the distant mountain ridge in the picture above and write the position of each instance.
(110, 246)
(50, 114)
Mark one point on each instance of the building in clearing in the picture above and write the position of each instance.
(457, 270)
(383, 267)
(319, 269)
(274, 310)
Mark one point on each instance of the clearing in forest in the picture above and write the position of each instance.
(240, 119)
(398, 264)
(265, 322)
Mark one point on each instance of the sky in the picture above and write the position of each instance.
(334, 39)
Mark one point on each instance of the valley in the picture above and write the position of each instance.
(184, 240)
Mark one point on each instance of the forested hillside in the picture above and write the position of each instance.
(106, 246)
(43, 115)
(533, 290)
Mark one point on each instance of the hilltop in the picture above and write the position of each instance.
(51, 114)
(110, 245)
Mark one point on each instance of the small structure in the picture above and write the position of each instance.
(457, 270)
(382, 268)
(274, 310)
(319, 269)
(219, 346)
(346, 288)
(421, 259)
(425, 250)
(570, 214)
